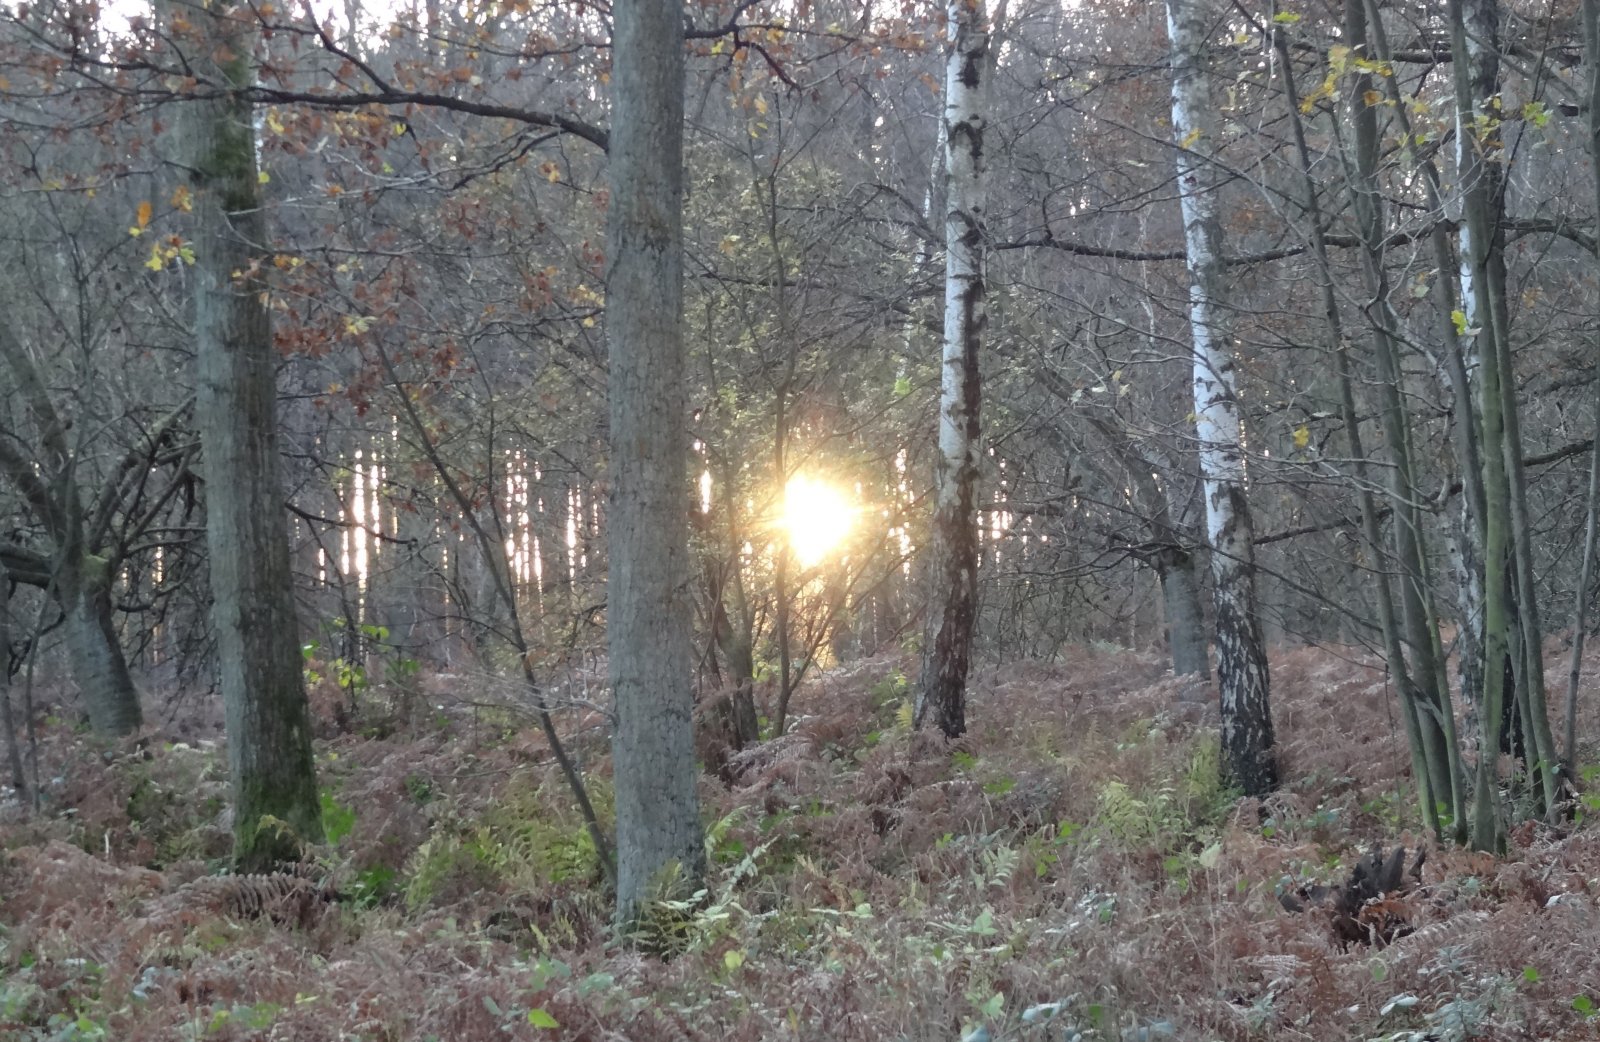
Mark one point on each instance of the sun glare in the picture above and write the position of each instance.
(817, 518)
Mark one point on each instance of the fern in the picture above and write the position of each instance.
(428, 866)
(674, 921)
(1124, 816)
(999, 864)
(1205, 797)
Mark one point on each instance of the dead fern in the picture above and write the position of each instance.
(292, 897)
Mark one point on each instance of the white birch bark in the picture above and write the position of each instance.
(1247, 737)
(954, 550)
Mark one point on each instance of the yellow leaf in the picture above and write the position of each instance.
(357, 324)
(263, 177)
(1302, 437)
(144, 214)
(155, 263)
(1190, 138)
(1372, 97)
(274, 123)
(761, 104)
(182, 200)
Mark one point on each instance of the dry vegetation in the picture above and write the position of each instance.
(1069, 870)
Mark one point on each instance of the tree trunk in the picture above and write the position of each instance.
(1424, 684)
(1580, 610)
(276, 807)
(733, 638)
(1474, 27)
(734, 710)
(658, 818)
(1247, 736)
(1185, 617)
(19, 777)
(98, 661)
(953, 553)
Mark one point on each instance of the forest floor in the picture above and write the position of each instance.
(1070, 869)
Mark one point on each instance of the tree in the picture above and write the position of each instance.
(80, 565)
(647, 607)
(1247, 737)
(276, 805)
(1424, 693)
(953, 549)
(1511, 614)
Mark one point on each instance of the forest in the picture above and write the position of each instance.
(799, 519)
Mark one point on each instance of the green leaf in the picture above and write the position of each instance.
(1286, 18)
(1584, 1004)
(337, 819)
(1530, 973)
(902, 386)
(733, 959)
(540, 1019)
(1209, 856)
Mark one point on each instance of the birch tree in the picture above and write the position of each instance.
(1247, 738)
(953, 555)
(647, 609)
(276, 805)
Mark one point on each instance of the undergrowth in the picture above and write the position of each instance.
(1073, 868)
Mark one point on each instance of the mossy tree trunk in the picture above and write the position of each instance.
(276, 806)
